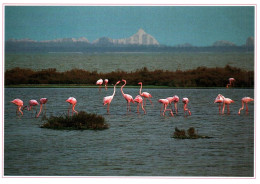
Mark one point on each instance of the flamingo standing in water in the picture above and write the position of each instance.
(145, 94)
(226, 101)
(127, 97)
(99, 82)
(185, 108)
(32, 103)
(72, 101)
(175, 101)
(219, 99)
(19, 104)
(165, 103)
(170, 99)
(106, 81)
(108, 99)
(139, 101)
(231, 81)
(245, 100)
(43, 101)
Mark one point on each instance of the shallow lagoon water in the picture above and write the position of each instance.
(108, 62)
(135, 144)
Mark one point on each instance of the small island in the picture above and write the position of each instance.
(80, 121)
(181, 134)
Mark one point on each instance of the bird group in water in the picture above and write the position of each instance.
(140, 99)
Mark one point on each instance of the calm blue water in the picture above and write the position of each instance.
(135, 144)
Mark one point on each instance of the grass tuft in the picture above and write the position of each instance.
(80, 121)
(181, 134)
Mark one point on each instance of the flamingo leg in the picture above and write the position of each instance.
(171, 106)
(69, 110)
(164, 110)
(171, 112)
(144, 101)
(108, 108)
(150, 101)
(228, 109)
(189, 112)
(143, 108)
(219, 108)
(45, 108)
(246, 108)
(161, 108)
(176, 108)
(138, 108)
(223, 108)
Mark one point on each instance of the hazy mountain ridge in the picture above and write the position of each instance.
(140, 41)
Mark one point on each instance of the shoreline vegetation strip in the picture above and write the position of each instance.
(130, 86)
(201, 77)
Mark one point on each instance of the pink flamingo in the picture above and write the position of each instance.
(245, 100)
(185, 108)
(139, 101)
(170, 99)
(108, 99)
(42, 101)
(219, 99)
(72, 101)
(127, 97)
(32, 103)
(19, 104)
(175, 101)
(99, 82)
(231, 81)
(165, 103)
(145, 94)
(226, 101)
(106, 81)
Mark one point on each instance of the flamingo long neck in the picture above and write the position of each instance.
(73, 108)
(185, 107)
(122, 88)
(141, 89)
(241, 107)
(114, 90)
(39, 111)
(19, 108)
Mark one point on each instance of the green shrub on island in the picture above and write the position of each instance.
(80, 121)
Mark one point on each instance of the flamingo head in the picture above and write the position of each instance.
(140, 83)
(117, 82)
(124, 80)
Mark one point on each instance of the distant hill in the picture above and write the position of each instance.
(139, 38)
(223, 43)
